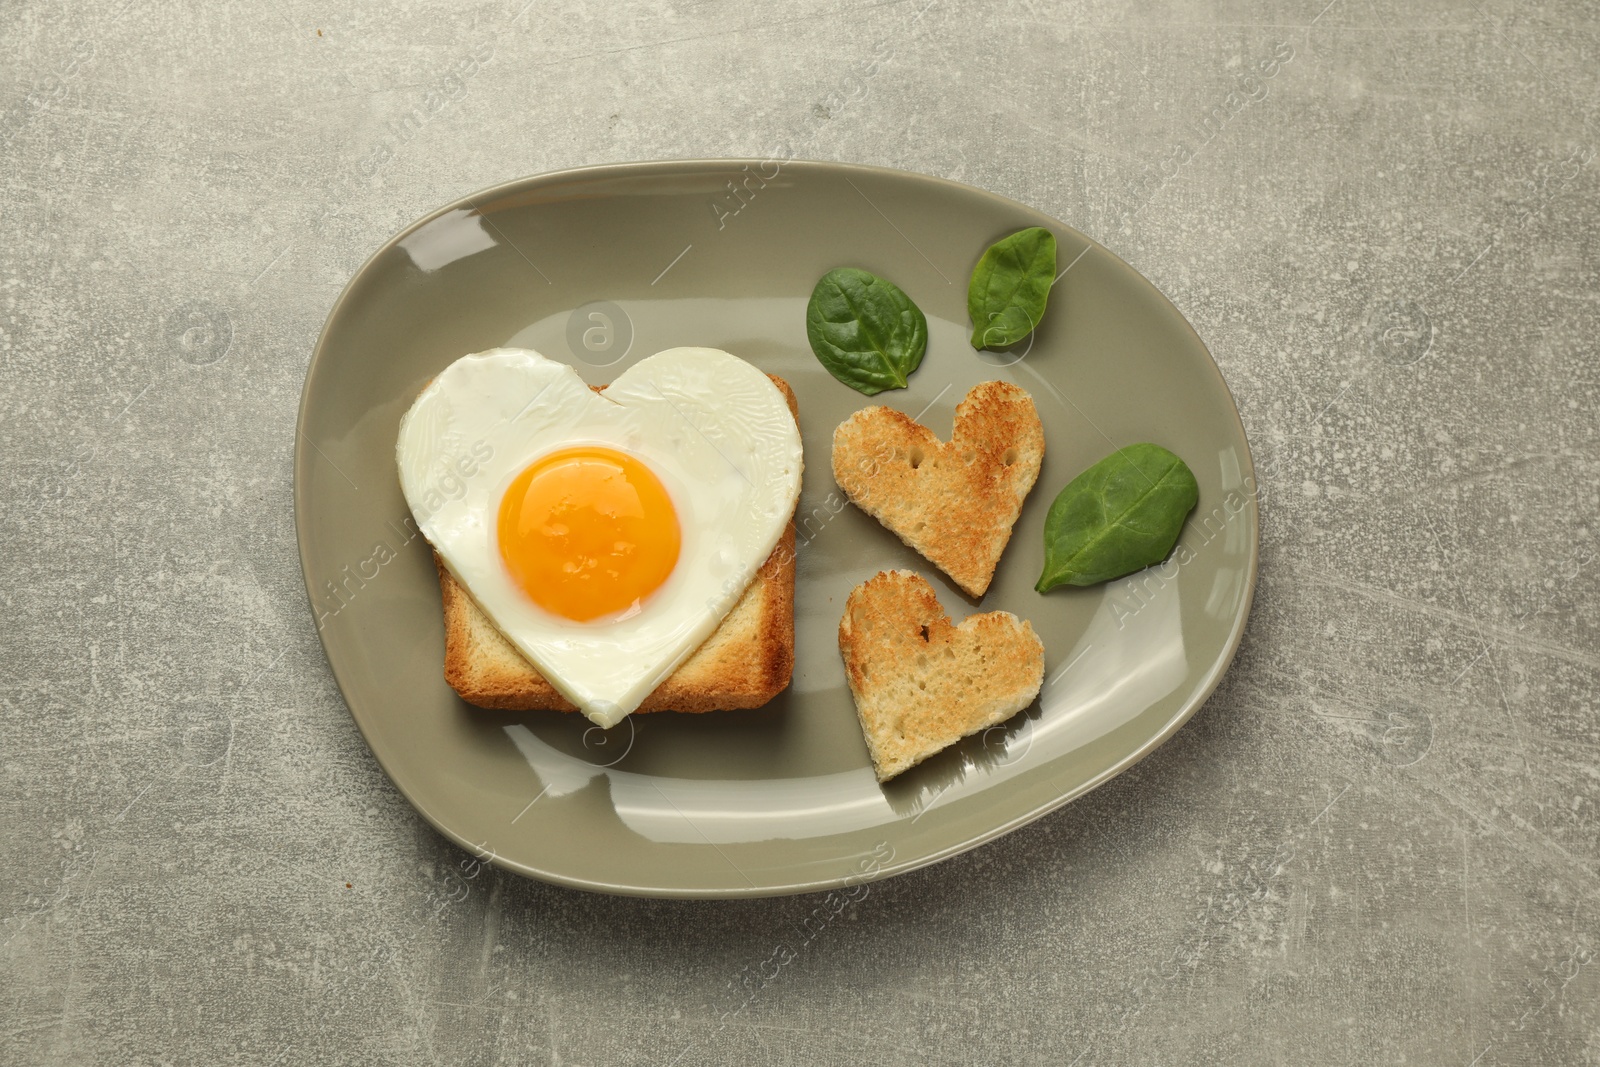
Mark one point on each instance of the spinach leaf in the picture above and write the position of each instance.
(1121, 514)
(1009, 287)
(865, 330)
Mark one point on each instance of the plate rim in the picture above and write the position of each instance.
(301, 463)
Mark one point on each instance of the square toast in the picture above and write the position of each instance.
(746, 661)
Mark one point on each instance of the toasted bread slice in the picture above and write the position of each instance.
(921, 683)
(745, 662)
(955, 502)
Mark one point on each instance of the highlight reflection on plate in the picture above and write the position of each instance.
(1084, 700)
(782, 799)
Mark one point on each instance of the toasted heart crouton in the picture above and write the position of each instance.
(956, 501)
(922, 683)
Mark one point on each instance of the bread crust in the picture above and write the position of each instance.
(922, 683)
(747, 660)
(955, 502)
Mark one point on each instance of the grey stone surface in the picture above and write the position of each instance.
(1378, 843)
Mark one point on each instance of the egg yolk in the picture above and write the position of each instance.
(588, 531)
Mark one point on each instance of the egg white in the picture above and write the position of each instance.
(713, 428)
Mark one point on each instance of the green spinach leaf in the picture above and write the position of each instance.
(865, 330)
(1120, 515)
(1010, 286)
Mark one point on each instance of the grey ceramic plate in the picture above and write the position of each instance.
(606, 265)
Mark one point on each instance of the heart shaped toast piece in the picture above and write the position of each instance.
(956, 501)
(922, 683)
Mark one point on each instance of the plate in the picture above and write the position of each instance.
(605, 265)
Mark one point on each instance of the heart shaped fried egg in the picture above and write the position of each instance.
(605, 534)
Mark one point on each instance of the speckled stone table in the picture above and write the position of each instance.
(1378, 843)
